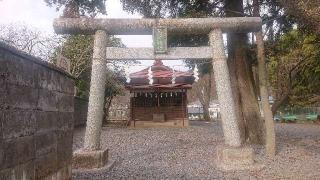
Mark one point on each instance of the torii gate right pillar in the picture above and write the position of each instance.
(232, 156)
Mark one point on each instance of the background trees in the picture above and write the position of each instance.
(204, 91)
(75, 8)
(79, 50)
(294, 69)
(29, 40)
(307, 13)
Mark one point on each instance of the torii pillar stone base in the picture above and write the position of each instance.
(89, 159)
(91, 155)
(231, 156)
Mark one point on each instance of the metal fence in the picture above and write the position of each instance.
(196, 113)
(298, 114)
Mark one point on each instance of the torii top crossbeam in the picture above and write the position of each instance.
(145, 26)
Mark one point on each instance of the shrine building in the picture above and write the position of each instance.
(159, 96)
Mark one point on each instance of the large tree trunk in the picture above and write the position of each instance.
(206, 113)
(204, 95)
(279, 102)
(243, 89)
(201, 91)
(263, 83)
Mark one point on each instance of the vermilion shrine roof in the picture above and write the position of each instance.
(162, 78)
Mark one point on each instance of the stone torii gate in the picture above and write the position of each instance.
(233, 155)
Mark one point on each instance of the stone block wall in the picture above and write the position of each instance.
(36, 118)
(80, 111)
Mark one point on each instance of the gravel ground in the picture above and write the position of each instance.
(189, 153)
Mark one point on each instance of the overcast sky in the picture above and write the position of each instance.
(37, 14)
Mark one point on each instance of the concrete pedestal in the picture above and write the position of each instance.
(236, 158)
(83, 159)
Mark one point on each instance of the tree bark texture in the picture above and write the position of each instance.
(206, 106)
(243, 89)
(202, 90)
(206, 113)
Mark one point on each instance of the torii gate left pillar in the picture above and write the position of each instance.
(92, 155)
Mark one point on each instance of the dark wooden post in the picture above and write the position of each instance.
(182, 105)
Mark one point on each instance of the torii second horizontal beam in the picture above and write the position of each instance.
(115, 53)
(144, 26)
